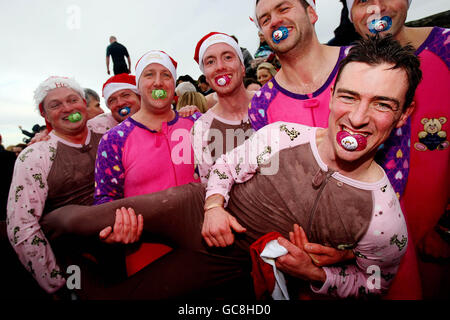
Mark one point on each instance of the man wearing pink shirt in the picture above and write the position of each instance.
(300, 91)
(141, 155)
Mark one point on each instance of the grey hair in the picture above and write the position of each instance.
(89, 93)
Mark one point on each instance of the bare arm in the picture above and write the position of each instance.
(129, 63)
(107, 64)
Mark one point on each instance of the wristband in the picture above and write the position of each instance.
(214, 201)
(212, 206)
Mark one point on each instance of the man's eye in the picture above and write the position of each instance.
(347, 98)
(383, 106)
(264, 21)
(55, 105)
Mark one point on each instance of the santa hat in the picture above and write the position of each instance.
(350, 6)
(119, 82)
(51, 83)
(213, 38)
(312, 4)
(159, 57)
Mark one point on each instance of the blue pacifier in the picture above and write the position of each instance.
(380, 25)
(280, 34)
(124, 111)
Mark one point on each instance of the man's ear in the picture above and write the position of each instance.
(405, 115)
(312, 14)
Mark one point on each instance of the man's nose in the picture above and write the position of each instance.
(359, 116)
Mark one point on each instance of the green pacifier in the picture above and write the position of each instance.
(75, 117)
(159, 94)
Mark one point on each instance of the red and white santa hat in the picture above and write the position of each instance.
(350, 6)
(119, 82)
(312, 3)
(51, 83)
(213, 38)
(156, 56)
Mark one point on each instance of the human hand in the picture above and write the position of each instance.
(188, 111)
(40, 136)
(127, 228)
(217, 227)
(108, 71)
(297, 262)
(434, 246)
(325, 256)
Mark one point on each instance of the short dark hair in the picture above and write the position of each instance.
(377, 50)
(202, 79)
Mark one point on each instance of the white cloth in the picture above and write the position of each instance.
(271, 251)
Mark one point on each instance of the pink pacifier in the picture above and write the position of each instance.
(351, 142)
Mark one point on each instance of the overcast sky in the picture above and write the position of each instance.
(69, 38)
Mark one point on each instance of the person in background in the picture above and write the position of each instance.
(118, 52)
(265, 72)
(35, 130)
(264, 50)
(93, 103)
(204, 86)
(248, 58)
(252, 84)
(183, 87)
(191, 98)
(345, 33)
(7, 160)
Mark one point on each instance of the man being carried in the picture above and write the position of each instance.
(417, 157)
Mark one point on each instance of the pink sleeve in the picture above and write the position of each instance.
(199, 136)
(259, 152)
(26, 203)
(378, 254)
(102, 123)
